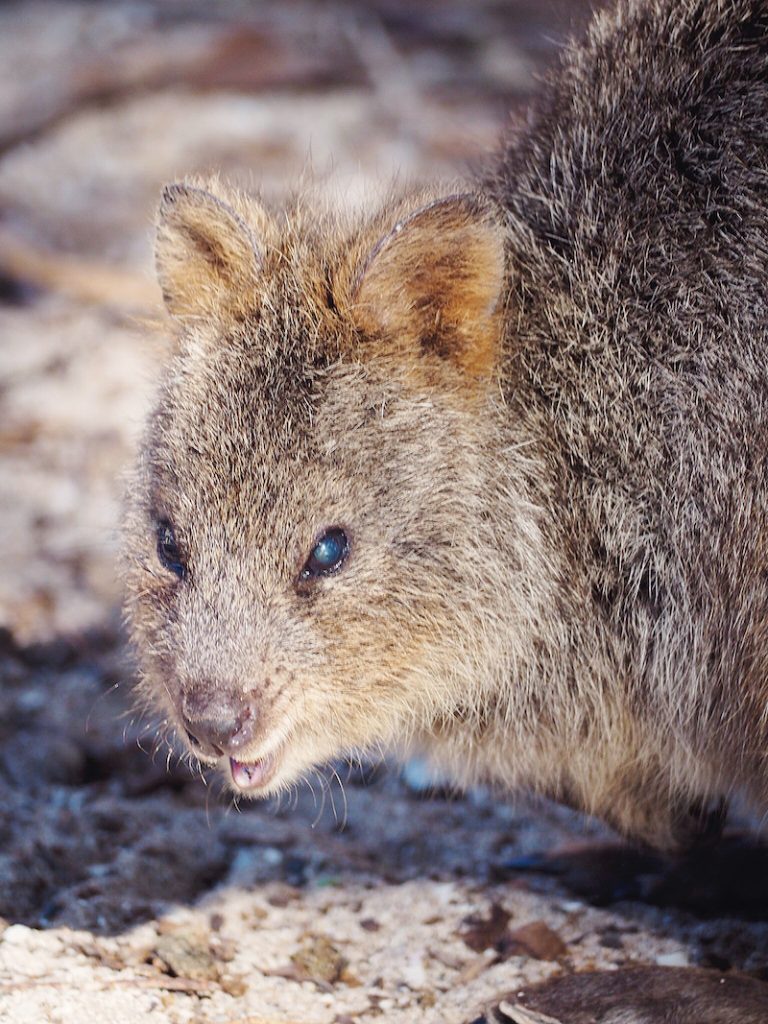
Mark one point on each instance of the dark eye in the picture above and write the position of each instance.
(168, 550)
(327, 556)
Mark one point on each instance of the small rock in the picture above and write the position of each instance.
(413, 974)
(234, 985)
(676, 959)
(18, 935)
(319, 960)
(187, 954)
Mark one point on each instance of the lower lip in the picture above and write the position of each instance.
(254, 775)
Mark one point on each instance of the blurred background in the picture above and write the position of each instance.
(116, 865)
(100, 104)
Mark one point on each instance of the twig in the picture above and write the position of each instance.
(168, 984)
(88, 282)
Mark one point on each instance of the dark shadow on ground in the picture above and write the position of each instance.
(728, 879)
(95, 833)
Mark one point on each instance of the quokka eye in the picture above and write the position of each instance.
(168, 550)
(327, 556)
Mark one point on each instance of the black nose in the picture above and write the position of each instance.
(218, 722)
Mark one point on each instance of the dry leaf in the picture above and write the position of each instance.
(487, 933)
(535, 939)
(520, 1015)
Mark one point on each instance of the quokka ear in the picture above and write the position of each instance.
(207, 257)
(433, 285)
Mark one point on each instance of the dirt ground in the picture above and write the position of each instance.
(130, 888)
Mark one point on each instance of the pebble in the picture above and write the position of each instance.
(19, 935)
(413, 973)
(676, 959)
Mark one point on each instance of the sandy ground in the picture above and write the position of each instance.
(130, 888)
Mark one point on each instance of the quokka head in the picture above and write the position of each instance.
(306, 539)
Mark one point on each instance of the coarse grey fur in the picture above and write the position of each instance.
(539, 412)
(639, 995)
(637, 212)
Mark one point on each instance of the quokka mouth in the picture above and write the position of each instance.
(252, 775)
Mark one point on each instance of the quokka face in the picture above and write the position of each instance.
(305, 540)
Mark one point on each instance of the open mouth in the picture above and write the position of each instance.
(253, 775)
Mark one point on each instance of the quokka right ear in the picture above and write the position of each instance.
(431, 288)
(208, 260)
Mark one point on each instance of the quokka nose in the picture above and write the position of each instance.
(218, 722)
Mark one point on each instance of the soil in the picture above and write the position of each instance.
(130, 886)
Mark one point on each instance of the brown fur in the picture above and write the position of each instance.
(642, 995)
(554, 482)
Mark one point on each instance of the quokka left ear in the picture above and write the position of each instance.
(432, 286)
(208, 260)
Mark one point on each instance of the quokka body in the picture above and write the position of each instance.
(482, 472)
